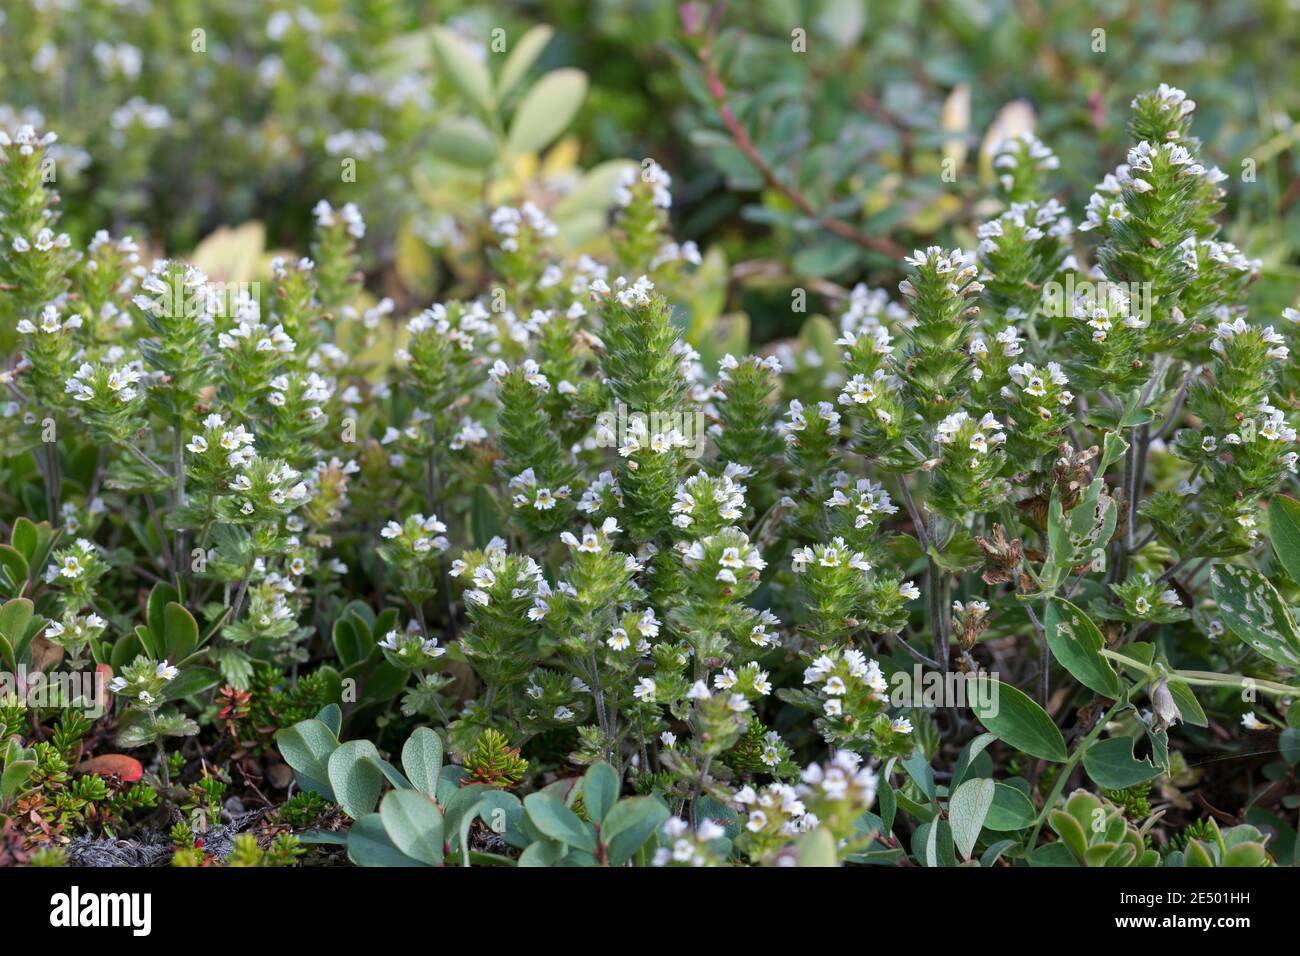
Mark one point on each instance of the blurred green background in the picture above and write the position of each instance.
(177, 118)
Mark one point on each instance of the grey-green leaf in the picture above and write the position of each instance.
(967, 808)
(558, 822)
(369, 845)
(464, 141)
(463, 68)
(422, 759)
(356, 778)
(413, 823)
(525, 53)
(306, 747)
(628, 825)
(599, 790)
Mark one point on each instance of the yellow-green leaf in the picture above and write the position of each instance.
(546, 110)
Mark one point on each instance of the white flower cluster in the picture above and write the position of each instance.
(27, 139)
(1170, 98)
(139, 112)
(532, 372)
(592, 541)
(646, 625)
(686, 848)
(327, 216)
(278, 477)
(1034, 382)
(530, 494)
(798, 422)
(1007, 339)
(51, 322)
(844, 778)
(869, 311)
(236, 441)
(1104, 204)
(777, 806)
(649, 172)
(866, 498)
(410, 643)
(759, 635)
(1023, 148)
(1274, 428)
(73, 564)
(637, 437)
(837, 554)
(469, 433)
(734, 557)
(628, 294)
(729, 363)
(1227, 331)
(524, 577)
(957, 263)
(507, 220)
(593, 498)
(120, 382)
(1032, 222)
(687, 252)
(822, 672)
(724, 493)
(985, 433)
(163, 672)
(423, 535)
(267, 340)
(749, 677)
(45, 240)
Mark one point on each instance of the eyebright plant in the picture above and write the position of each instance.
(541, 585)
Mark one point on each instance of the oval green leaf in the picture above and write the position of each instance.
(464, 141)
(546, 110)
(356, 778)
(413, 823)
(1076, 644)
(1017, 720)
(967, 808)
(1254, 611)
